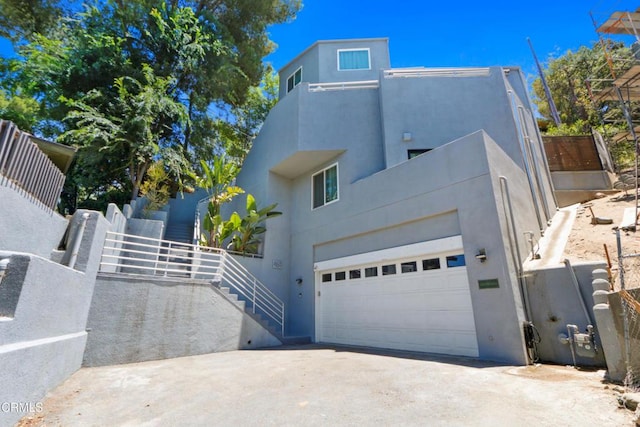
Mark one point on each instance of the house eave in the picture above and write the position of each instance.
(302, 162)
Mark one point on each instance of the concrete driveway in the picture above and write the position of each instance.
(316, 385)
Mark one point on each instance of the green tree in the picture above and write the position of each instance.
(210, 51)
(568, 77)
(130, 127)
(238, 130)
(23, 111)
(155, 187)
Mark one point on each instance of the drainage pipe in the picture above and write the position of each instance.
(77, 240)
(571, 332)
(545, 161)
(574, 279)
(527, 167)
(513, 243)
(531, 157)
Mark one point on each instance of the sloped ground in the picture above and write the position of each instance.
(315, 385)
(586, 240)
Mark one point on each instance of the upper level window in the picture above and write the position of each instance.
(354, 59)
(325, 186)
(294, 79)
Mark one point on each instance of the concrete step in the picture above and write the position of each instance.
(295, 340)
(231, 296)
(179, 232)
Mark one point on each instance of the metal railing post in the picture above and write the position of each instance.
(620, 259)
(253, 303)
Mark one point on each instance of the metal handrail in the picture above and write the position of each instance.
(24, 166)
(363, 84)
(436, 72)
(146, 256)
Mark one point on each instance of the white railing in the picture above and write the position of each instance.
(436, 72)
(364, 84)
(24, 166)
(137, 255)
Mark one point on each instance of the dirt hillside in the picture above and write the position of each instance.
(586, 242)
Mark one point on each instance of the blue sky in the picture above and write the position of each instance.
(457, 34)
(442, 34)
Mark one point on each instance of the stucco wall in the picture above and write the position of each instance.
(387, 201)
(555, 303)
(26, 227)
(42, 334)
(377, 213)
(138, 319)
(438, 110)
(582, 180)
(319, 62)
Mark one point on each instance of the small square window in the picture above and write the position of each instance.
(431, 264)
(417, 152)
(409, 267)
(294, 79)
(354, 274)
(371, 272)
(455, 261)
(325, 186)
(353, 59)
(388, 269)
(326, 277)
(341, 275)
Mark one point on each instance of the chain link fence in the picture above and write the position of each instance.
(627, 284)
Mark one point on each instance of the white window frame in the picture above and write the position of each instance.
(324, 186)
(292, 76)
(351, 50)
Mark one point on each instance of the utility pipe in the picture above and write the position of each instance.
(527, 167)
(574, 279)
(513, 242)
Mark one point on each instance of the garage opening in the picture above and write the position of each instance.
(414, 297)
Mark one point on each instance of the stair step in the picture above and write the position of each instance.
(295, 340)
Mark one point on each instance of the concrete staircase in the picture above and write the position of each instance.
(179, 232)
(261, 319)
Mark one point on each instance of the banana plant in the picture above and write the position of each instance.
(247, 231)
(217, 179)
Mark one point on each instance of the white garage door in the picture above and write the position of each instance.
(417, 301)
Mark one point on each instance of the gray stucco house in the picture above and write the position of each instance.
(406, 196)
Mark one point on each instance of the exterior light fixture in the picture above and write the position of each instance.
(481, 255)
(406, 137)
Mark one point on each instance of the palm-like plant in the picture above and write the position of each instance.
(248, 230)
(217, 179)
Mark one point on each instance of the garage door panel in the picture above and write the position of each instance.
(427, 311)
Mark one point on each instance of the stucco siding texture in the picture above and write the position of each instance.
(134, 319)
(399, 206)
(26, 227)
(438, 110)
(555, 303)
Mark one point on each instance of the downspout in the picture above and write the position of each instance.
(576, 285)
(530, 153)
(531, 335)
(524, 159)
(546, 161)
(513, 243)
(77, 240)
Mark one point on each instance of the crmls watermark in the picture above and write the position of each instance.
(21, 407)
